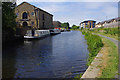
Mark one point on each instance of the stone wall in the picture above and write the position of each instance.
(56, 24)
(28, 9)
(35, 16)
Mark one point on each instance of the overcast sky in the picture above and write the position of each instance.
(76, 12)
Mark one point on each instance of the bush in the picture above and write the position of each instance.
(111, 31)
(94, 45)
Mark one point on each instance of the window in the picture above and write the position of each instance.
(32, 23)
(16, 14)
(43, 24)
(24, 15)
(43, 16)
(25, 24)
(90, 25)
(32, 13)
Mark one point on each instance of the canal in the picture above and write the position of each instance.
(57, 56)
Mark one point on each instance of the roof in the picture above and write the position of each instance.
(118, 18)
(87, 21)
(57, 21)
(34, 7)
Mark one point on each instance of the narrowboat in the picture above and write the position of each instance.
(32, 34)
(55, 31)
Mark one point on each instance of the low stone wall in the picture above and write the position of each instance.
(93, 70)
(21, 31)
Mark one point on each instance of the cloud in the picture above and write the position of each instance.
(20, 1)
(52, 8)
(110, 10)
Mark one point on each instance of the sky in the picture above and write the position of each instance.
(77, 11)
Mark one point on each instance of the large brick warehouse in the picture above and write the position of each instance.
(29, 16)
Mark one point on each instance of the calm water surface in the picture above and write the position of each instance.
(59, 56)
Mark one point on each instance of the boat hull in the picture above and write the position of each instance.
(38, 34)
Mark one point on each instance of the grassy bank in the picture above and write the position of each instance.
(109, 32)
(109, 66)
(94, 44)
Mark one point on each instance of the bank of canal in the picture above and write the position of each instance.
(59, 56)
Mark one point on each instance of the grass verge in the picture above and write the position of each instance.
(111, 68)
(109, 32)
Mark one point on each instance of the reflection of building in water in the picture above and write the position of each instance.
(9, 60)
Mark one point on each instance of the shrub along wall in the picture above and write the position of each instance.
(94, 45)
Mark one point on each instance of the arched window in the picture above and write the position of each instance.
(25, 24)
(24, 16)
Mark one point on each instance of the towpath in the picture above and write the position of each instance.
(93, 70)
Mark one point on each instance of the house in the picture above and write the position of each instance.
(108, 23)
(100, 24)
(87, 24)
(56, 24)
(29, 16)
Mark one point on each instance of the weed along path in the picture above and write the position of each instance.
(105, 64)
(113, 40)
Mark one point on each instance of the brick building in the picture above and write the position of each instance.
(29, 16)
(56, 24)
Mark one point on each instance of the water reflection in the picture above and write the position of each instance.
(60, 56)
(32, 58)
(9, 59)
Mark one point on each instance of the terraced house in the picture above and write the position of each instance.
(29, 16)
(109, 23)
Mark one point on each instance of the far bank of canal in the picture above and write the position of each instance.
(60, 56)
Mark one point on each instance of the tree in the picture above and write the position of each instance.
(75, 27)
(65, 25)
(8, 21)
(8, 15)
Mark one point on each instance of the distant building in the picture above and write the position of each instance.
(29, 16)
(108, 23)
(87, 24)
(56, 24)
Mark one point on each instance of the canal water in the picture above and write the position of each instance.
(57, 56)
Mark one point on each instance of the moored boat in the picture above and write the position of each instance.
(32, 34)
(55, 31)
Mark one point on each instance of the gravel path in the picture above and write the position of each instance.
(117, 43)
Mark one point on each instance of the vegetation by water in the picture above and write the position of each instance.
(94, 44)
(111, 68)
(74, 27)
(8, 20)
(109, 32)
(77, 77)
(65, 25)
